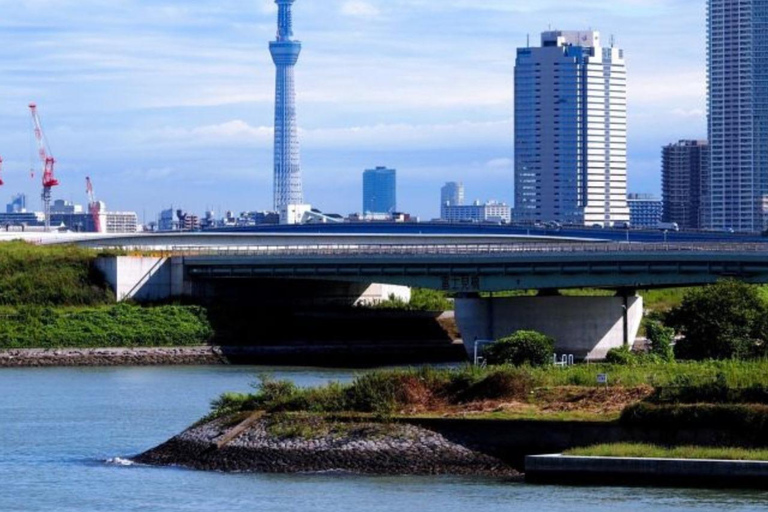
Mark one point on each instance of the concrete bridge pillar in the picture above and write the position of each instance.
(587, 327)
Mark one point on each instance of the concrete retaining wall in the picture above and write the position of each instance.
(587, 327)
(634, 471)
(138, 278)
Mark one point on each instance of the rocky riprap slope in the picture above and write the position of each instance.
(357, 447)
(159, 356)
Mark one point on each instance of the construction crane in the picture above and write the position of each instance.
(1, 171)
(93, 206)
(48, 162)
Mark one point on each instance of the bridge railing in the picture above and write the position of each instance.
(448, 249)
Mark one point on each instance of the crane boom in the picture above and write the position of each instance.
(43, 149)
(48, 163)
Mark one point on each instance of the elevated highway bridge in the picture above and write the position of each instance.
(265, 267)
(474, 268)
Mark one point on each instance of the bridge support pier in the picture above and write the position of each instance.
(587, 327)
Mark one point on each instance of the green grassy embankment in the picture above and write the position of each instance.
(54, 297)
(120, 325)
(646, 451)
(50, 276)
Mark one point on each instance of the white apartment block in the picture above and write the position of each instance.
(477, 212)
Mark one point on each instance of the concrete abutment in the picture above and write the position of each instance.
(587, 327)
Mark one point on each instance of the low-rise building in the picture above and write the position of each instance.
(478, 212)
(645, 210)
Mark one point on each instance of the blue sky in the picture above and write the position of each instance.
(170, 102)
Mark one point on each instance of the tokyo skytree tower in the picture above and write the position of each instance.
(285, 53)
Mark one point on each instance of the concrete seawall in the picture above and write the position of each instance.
(559, 469)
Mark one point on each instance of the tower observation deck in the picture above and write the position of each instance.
(285, 53)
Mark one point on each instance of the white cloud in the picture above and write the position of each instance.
(231, 133)
(500, 163)
(390, 137)
(359, 9)
(689, 113)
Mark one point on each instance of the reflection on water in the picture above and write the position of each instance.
(58, 427)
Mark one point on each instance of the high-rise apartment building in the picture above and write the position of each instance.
(683, 173)
(285, 53)
(736, 190)
(380, 191)
(571, 131)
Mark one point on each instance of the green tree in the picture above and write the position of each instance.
(523, 347)
(723, 321)
(661, 338)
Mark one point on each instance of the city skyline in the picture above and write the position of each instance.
(213, 134)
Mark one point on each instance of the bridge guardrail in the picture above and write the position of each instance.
(447, 250)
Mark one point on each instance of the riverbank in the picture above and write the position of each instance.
(262, 443)
(362, 355)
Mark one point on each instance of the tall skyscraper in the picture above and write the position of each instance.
(571, 131)
(737, 183)
(285, 53)
(684, 167)
(379, 191)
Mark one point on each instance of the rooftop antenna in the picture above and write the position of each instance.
(613, 40)
(528, 40)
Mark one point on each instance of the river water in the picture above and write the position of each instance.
(59, 426)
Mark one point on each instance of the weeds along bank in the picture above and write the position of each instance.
(54, 297)
(475, 391)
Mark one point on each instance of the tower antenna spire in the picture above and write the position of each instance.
(285, 53)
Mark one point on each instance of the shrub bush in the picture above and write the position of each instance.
(661, 338)
(622, 356)
(499, 383)
(751, 419)
(523, 347)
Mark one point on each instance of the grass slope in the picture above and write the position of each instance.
(119, 325)
(50, 275)
(646, 451)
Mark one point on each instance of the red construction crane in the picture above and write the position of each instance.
(1, 171)
(93, 206)
(48, 162)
